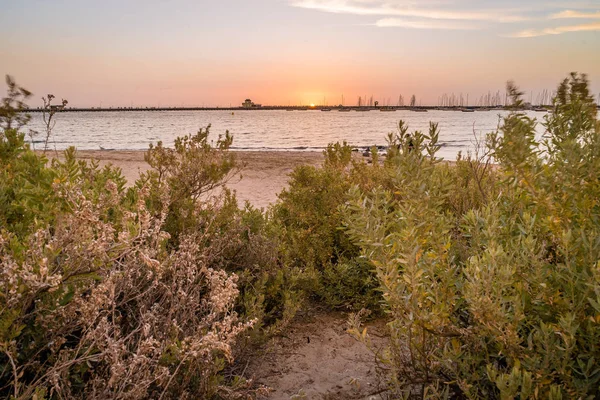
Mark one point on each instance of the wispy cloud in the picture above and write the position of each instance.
(400, 8)
(528, 33)
(572, 14)
(466, 14)
(574, 5)
(424, 24)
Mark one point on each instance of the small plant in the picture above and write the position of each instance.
(48, 114)
(13, 107)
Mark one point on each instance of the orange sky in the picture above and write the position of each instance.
(293, 52)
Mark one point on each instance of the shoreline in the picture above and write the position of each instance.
(264, 176)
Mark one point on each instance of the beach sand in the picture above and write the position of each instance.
(265, 173)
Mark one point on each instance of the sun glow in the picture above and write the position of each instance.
(312, 104)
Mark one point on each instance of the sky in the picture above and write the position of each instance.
(281, 52)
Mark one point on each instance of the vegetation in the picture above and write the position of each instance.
(486, 271)
(497, 299)
(311, 234)
(97, 299)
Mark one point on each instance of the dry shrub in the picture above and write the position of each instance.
(91, 310)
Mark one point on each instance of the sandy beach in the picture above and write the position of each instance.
(265, 173)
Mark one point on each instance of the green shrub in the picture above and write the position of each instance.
(507, 305)
(246, 242)
(312, 238)
(194, 170)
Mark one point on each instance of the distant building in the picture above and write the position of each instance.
(57, 107)
(249, 104)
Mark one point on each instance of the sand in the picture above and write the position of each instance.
(265, 173)
(315, 358)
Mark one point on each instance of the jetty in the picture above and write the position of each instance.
(282, 108)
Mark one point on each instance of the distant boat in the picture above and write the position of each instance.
(344, 109)
(387, 109)
(418, 109)
(325, 109)
(467, 110)
(540, 109)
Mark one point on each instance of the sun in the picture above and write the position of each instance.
(312, 104)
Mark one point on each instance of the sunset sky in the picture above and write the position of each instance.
(174, 53)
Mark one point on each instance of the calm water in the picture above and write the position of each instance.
(264, 130)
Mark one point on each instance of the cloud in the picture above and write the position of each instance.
(401, 8)
(464, 14)
(574, 5)
(569, 14)
(424, 24)
(595, 26)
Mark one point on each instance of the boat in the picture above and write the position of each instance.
(540, 109)
(325, 109)
(418, 109)
(387, 109)
(467, 110)
(344, 109)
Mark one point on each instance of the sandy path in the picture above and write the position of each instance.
(317, 359)
(264, 176)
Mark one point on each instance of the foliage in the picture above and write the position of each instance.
(497, 297)
(244, 240)
(95, 300)
(193, 169)
(246, 243)
(312, 238)
(13, 105)
(94, 311)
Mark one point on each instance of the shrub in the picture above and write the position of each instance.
(313, 241)
(246, 242)
(243, 241)
(96, 301)
(194, 169)
(507, 305)
(94, 311)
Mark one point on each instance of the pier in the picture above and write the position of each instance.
(271, 108)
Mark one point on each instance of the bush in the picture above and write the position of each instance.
(507, 305)
(313, 241)
(96, 299)
(194, 170)
(243, 241)
(93, 311)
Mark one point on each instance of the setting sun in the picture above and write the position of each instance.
(312, 104)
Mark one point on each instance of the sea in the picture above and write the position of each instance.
(260, 130)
